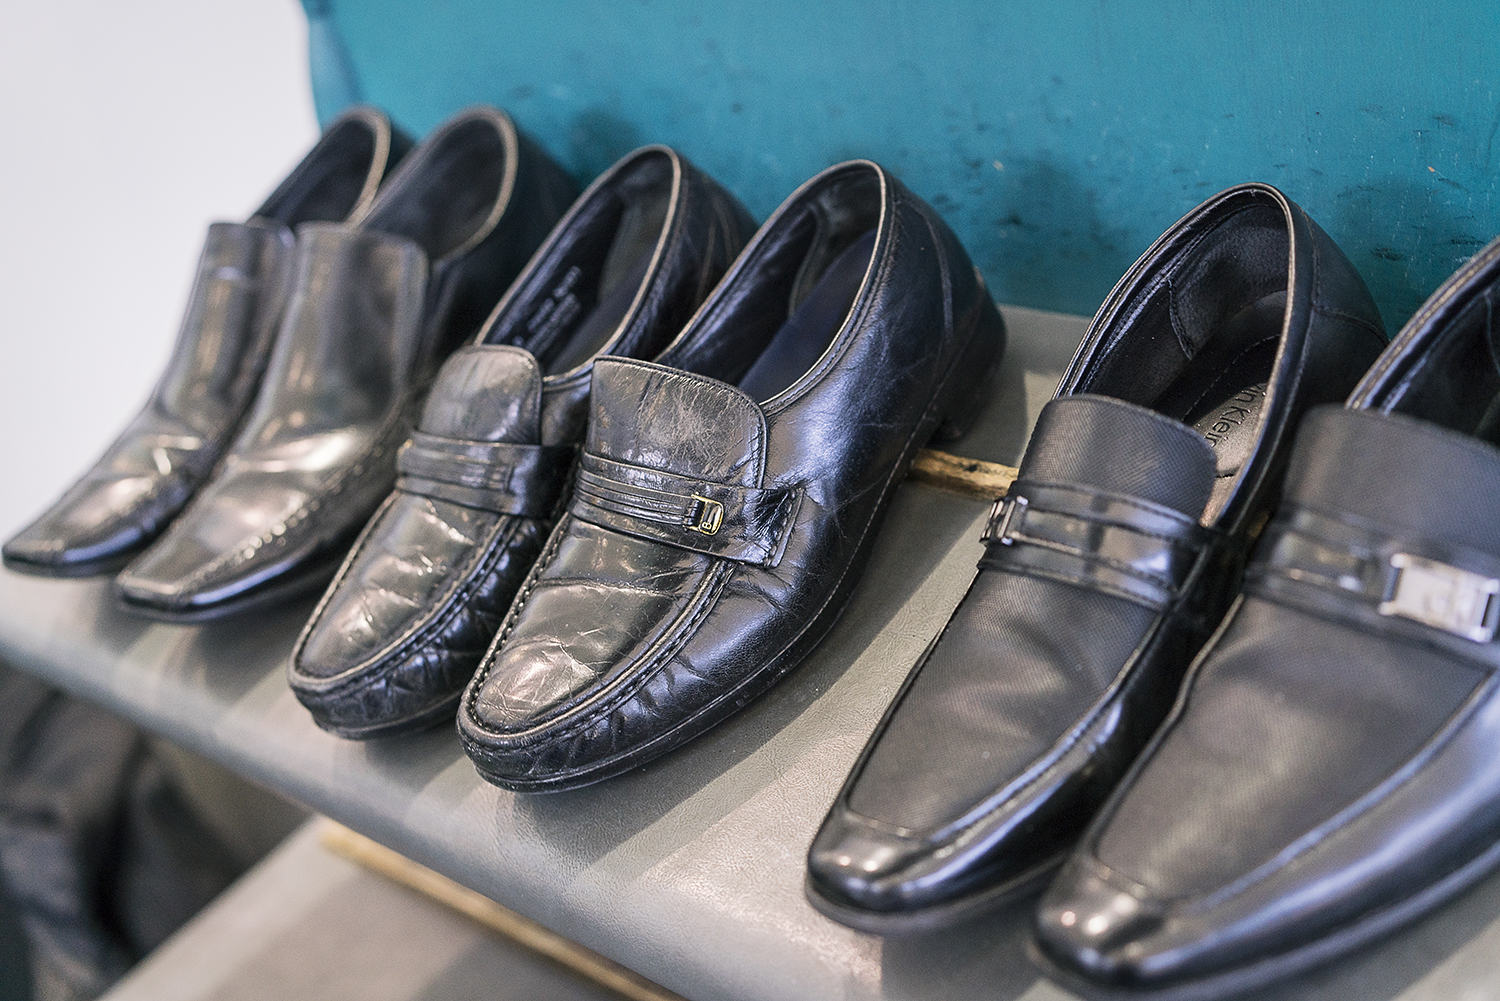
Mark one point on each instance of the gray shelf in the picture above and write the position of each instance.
(268, 938)
(690, 870)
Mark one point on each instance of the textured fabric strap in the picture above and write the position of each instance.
(1377, 577)
(506, 478)
(1108, 542)
(746, 524)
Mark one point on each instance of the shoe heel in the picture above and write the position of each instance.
(970, 378)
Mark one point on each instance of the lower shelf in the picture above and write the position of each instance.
(308, 923)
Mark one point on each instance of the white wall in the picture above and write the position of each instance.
(125, 128)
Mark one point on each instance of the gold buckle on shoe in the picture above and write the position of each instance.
(1444, 597)
(705, 516)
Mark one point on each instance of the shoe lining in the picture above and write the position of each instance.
(570, 309)
(327, 184)
(443, 200)
(775, 276)
(1201, 347)
(806, 334)
(1456, 382)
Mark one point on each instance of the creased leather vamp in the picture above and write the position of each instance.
(428, 543)
(647, 422)
(309, 442)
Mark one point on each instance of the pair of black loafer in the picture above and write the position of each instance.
(724, 498)
(415, 605)
(311, 336)
(1325, 771)
(1328, 771)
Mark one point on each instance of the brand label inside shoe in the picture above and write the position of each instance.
(1230, 427)
(556, 313)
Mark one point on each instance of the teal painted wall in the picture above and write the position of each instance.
(1058, 138)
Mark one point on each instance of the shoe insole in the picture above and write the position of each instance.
(1221, 392)
(624, 268)
(599, 324)
(806, 334)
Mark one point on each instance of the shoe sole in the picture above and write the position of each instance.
(425, 720)
(72, 571)
(1282, 965)
(281, 590)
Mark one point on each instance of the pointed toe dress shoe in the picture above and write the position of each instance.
(726, 501)
(1332, 768)
(376, 306)
(244, 280)
(424, 589)
(1105, 567)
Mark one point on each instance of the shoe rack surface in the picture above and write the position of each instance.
(690, 870)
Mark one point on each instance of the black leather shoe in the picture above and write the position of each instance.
(417, 602)
(244, 278)
(717, 528)
(1330, 770)
(377, 305)
(1113, 556)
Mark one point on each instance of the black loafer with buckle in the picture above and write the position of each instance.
(244, 279)
(377, 305)
(420, 597)
(726, 501)
(1330, 769)
(1109, 562)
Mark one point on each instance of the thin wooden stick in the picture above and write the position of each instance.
(965, 476)
(372, 855)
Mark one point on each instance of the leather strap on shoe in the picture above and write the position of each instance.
(506, 478)
(1381, 578)
(1125, 546)
(745, 524)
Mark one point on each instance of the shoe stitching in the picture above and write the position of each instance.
(280, 532)
(533, 578)
(418, 637)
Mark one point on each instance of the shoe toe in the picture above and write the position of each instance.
(97, 522)
(548, 660)
(168, 574)
(1090, 925)
(853, 863)
(38, 544)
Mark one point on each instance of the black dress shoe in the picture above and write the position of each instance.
(377, 305)
(244, 278)
(1106, 566)
(417, 602)
(1330, 770)
(717, 528)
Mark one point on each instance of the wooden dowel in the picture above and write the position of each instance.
(377, 857)
(973, 477)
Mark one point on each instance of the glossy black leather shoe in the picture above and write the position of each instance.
(419, 599)
(1331, 768)
(717, 528)
(377, 305)
(244, 277)
(1115, 553)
